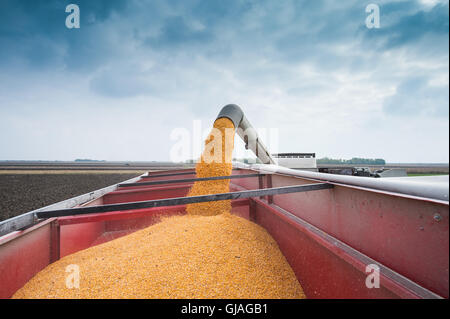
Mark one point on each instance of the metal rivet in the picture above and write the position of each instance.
(437, 217)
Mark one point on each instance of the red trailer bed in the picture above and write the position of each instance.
(329, 234)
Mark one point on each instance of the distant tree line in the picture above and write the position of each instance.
(354, 160)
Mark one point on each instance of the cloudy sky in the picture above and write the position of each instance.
(136, 70)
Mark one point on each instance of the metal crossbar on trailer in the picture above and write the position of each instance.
(175, 174)
(188, 180)
(167, 175)
(184, 200)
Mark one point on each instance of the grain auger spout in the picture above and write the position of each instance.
(246, 131)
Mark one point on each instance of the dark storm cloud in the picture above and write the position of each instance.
(177, 33)
(24, 17)
(411, 25)
(33, 33)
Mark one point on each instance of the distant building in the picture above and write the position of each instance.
(304, 161)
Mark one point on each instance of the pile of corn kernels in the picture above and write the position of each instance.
(222, 256)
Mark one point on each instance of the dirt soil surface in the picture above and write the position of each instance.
(20, 193)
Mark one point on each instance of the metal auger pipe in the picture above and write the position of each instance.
(246, 131)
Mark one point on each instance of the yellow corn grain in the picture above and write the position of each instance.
(205, 168)
(222, 256)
